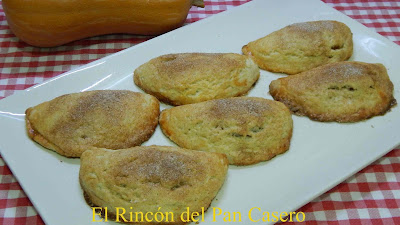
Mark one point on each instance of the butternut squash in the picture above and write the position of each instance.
(48, 23)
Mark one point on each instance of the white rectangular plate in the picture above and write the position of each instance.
(321, 154)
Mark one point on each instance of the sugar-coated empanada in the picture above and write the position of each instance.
(186, 78)
(342, 92)
(72, 123)
(247, 129)
(152, 179)
(302, 46)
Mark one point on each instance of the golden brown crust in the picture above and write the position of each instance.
(302, 46)
(37, 137)
(186, 78)
(72, 123)
(341, 92)
(148, 177)
(247, 129)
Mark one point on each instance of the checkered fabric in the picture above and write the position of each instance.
(372, 196)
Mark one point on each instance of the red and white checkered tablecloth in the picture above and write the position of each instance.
(372, 196)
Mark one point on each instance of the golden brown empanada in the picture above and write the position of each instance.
(72, 123)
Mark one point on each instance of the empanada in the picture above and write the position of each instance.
(342, 92)
(247, 129)
(113, 119)
(302, 46)
(186, 78)
(152, 179)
